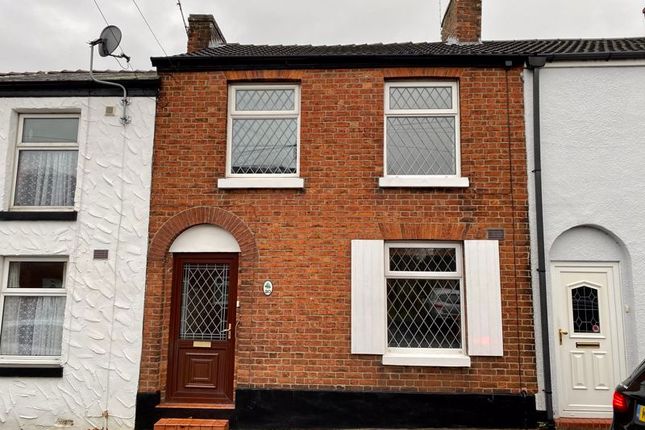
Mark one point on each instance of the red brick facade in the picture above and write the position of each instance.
(299, 337)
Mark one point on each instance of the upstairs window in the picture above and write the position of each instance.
(263, 131)
(422, 134)
(46, 159)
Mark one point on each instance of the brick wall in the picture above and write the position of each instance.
(462, 21)
(299, 337)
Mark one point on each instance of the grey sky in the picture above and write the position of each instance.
(53, 34)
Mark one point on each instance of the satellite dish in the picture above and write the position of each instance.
(109, 40)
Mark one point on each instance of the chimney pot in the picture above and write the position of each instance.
(462, 22)
(203, 32)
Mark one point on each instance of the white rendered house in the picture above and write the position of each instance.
(74, 203)
(586, 124)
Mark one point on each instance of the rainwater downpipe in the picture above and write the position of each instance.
(535, 64)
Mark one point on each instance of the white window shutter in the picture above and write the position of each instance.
(368, 297)
(483, 298)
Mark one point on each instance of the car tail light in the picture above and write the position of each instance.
(620, 402)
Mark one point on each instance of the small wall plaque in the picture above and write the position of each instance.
(267, 288)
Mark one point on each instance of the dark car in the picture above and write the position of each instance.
(629, 401)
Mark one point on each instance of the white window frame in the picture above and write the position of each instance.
(481, 288)
(5, 291)
(427, 356)
(40, 146)
(261, 180)
(455, 180)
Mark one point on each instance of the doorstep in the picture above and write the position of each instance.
(582, 423)
(176, 405)
(188, 424)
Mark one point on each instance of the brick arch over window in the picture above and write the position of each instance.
(405, 231)
(203, 215)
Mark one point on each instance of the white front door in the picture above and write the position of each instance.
(588, 337)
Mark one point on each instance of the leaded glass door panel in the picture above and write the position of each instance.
(202, 343)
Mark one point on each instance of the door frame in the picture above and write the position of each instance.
(617, 331)
(175, 320)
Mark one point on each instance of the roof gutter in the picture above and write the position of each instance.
(593, 56)
(202, 63)
(148, 87)
(535, 64)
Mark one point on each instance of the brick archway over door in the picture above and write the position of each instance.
(203, 215)
(159, 279)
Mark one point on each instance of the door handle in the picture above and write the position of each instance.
(562, 332)
(228, 331)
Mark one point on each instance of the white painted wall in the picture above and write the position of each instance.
(593, 153)
(104, 309)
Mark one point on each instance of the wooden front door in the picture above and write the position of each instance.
(202, 331)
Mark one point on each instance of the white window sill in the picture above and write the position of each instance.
(423, 181)
(27, 362)
(438, 360)
(232, 183)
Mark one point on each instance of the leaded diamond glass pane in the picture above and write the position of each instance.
(586, 316)
(423, 313)
(421, 146)
(204, 302)
(265, 100)
(423, 259)
(264, 146)
(420, 98)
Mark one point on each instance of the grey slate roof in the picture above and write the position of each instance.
(555, 48)
(234, 56)
(77, 76)
(77, 83)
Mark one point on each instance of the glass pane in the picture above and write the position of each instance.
(36, 274)
(423, 313)
(421, 146)
(423, 259)
(204, 302)
(265, 100)
(50, 130)
(46, 178)
(584, 303)
(264, 146)
(420, 98)
(32, 326)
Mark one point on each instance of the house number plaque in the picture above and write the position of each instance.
(267, 288)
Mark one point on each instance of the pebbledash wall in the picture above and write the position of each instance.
(104, 298)
(299, 337)
(592, 126)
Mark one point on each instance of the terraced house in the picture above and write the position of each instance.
(74, 197)
(340, 232)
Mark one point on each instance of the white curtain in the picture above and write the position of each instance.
(32, 325)
(46, 178)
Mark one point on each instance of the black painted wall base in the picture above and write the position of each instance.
(282, 409)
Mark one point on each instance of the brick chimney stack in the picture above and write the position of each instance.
(462, 22)
(203, 32)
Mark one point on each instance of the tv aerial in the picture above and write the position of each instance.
(107, 42)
